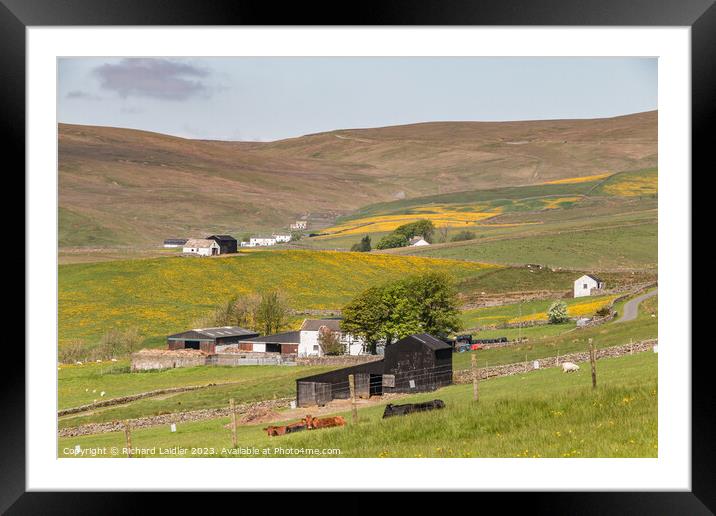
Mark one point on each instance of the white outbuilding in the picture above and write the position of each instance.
(261, 241)
(201, 247)
(585, 285)
(280, 238)
(418, 241)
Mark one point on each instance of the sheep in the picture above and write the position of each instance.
(568, 367)
(101, 393)
(113, 359)
(78, 363)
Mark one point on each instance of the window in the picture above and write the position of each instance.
(315, 347)
(584, 286)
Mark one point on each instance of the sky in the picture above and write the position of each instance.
(271, 98)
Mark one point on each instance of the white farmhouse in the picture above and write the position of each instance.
(417, 241)
(261, 241)
(299, 224)
(309, 344)
(201, 247)
(282, 238)
(583, 286)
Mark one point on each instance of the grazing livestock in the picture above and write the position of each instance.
(409, 408)
(569, 367)
(307, 423)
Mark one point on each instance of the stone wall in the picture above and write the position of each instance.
(146, 360)
(337, 360)
(465, 375)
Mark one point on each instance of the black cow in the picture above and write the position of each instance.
(408, 408)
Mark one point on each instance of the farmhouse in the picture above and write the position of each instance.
(209, 340)
(285, 343)
(587, 285)
(299, 224)
(201, 247)
(281, 238)
(227, 243)
(175, 242)
(310, 329)
(417, 363)
(262, 241)
(417, 241)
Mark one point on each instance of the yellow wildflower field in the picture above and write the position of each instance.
(384, 223)
(164, 295)
(574, 309)
(633, 185)
(552, 203)
(583, 179)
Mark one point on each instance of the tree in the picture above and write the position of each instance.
(423, 303)
(116, 343)
(330, 341)
(443, 233)
(296, 236)
(422, 227)
(363, 246)
(557, 312)
(391, 241)
(272, 312)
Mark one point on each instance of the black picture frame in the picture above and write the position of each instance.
(699, 15)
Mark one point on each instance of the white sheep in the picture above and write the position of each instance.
(568, 367)
(101, 393)
(114, 359)
(78, 363)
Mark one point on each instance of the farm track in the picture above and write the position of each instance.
(631, 307)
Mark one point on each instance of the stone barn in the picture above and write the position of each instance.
(209, 340)
(417, 363)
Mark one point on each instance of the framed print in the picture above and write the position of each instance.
(450, 244)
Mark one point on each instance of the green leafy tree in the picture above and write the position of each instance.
(424, 303)
(272, 312)
(557, 312)
(422, 227)
(391, 241)
(363, 246)
(296, 236)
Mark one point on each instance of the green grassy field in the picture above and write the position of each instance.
(543, 413)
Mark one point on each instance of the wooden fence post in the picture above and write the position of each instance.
(232, 407)
(128, 438)
(475, 392)
(593, 363)
(352, 386)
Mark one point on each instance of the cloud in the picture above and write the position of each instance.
(152, 77)
(82, 95)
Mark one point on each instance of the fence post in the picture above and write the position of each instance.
(593, 363)
(475, 392)
(352, 386)
(232, 407)
(128, 438)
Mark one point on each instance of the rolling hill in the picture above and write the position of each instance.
(121, 187)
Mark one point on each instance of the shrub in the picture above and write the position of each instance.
(363, 246)
(392, 241)
(557, 312)
(330, 341)
(72, 352)
(463, 235)
(115, 343)
(604, 311)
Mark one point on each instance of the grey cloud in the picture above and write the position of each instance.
(82, 95)
(149, 77)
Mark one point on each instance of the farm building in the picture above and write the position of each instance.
(261, 241)
(586, 285)
(285, 343)
(175, 242)
(227, 243)
(209, 340)
(299, 224)
(282, 238)
(417, 241)
(310, 330)
(201, 247)
(417, 363)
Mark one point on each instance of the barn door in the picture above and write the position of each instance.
(362, 385)
(323, 393)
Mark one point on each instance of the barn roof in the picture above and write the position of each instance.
(415, 239)
(427, 340)
(221, 237)
(288, 337)
(594, 278)
(175, 240)
(315, 324)
(213, 333)
(199, 242)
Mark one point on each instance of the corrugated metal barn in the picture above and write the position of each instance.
(417, 363)
(285, 343)
(209, 339)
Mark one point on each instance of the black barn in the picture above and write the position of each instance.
(417, 363)
(227, 243)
